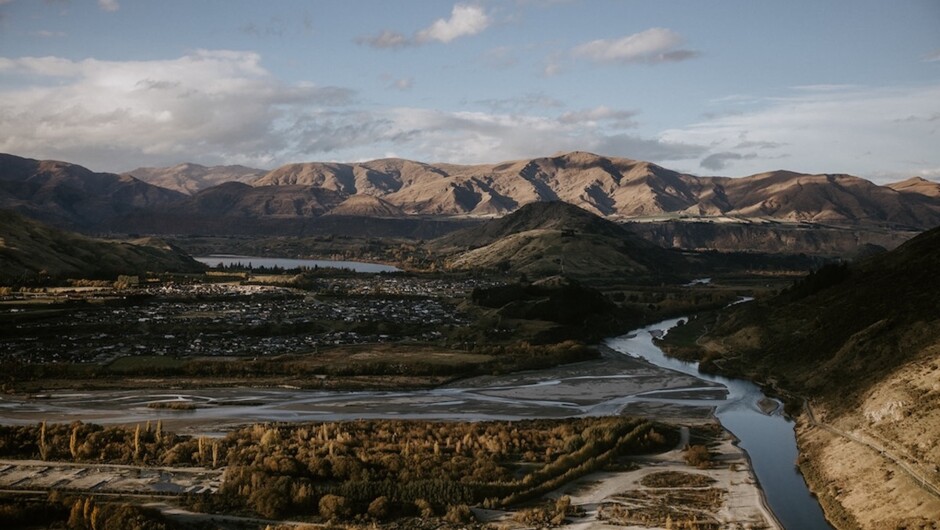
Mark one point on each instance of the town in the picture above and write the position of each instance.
(229, 319)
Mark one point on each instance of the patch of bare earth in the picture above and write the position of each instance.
(664, 491)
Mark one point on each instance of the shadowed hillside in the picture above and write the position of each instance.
(547, 238)
(862, 342)
(28, 248)
(71, 196)
(844, 327)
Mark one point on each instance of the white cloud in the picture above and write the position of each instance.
(655, 45)
(387, 39)
(472, 137)
(521, 103)
(719, 161)
(222, 106)
(465, 20)
(863, 131)
(620, 118)
(551, 68)
(208, 105)
(109, 5)
(932, 56)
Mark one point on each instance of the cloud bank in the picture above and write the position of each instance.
(879, 133)
(220, 106)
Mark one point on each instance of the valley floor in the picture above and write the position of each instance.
(611, 385)
(621, 500)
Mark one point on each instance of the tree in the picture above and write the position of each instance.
(43, 445)
(459, 514)
(73, 441)
(698, 456)
(378, 508)
(334, 506)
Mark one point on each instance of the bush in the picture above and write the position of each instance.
(459, 514)
(378, 509)
(698, 456)
(334, 506)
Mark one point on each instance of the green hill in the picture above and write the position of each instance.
(28, 247)
(549, 238)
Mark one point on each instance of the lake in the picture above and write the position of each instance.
(286, 263)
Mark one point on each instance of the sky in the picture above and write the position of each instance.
(707, 87)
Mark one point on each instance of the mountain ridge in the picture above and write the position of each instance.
(190, 178)
(615, 188)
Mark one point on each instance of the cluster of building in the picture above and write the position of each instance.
(405, 286)
(236, 320)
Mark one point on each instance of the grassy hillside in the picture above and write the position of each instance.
(862, 343)
(549, 238)
(841, 329)
(27, 248)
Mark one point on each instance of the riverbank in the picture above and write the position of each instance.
(615, 384)
(768, 438)
(726, 494)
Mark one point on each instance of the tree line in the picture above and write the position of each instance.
(367, 469)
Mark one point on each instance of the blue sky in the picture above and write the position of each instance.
(724, 87)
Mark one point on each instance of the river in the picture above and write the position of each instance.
(633, 377)
(769, 439)
(286, 263)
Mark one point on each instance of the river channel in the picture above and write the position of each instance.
(768, 438)
(633, 377)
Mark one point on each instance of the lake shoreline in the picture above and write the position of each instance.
(257, 262)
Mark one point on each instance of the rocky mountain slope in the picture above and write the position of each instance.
(917, 185)
(298, 198)
(71, 196)
(191, 178)
(862, 342)
(29, 249)
(616, 188)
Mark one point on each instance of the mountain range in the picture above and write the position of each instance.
(615, 188)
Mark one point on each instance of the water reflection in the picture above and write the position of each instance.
(769, 439)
